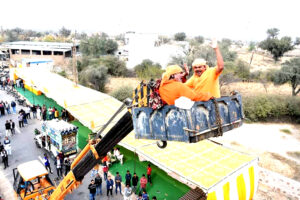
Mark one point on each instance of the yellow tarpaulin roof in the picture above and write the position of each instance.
(203, 164)
(92, 108)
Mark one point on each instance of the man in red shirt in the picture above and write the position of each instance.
(143, 183)
(149, 170)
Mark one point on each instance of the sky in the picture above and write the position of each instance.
(246, 20)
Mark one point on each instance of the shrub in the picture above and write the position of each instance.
(270, 107)
(94, 76)
(63, 73)
(147, 70)
(122, 93)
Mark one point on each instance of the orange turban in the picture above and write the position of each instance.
(170, 70)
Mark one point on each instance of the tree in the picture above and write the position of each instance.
(234, 71)
(147, 70)
(98, 45)
(277, 47)
(297, 41)
(273, 32)
(180, 36)
(94, 76)
(163, 39)
(199, 39)
(114, 66)
(49, 38)
(64, 32)
(289, 73)
(251, 46)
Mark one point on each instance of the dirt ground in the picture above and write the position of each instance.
(276, 145)
(270, 142)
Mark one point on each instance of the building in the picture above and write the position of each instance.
(141, 46)
(60, 53)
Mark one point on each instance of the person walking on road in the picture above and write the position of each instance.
(67, 164)
(7, 145)
(58, 165)
(4, 158)
(7, 128)
(98, 182)
(20, 120)
(47, 163)
(109, 185)
(13, 106)
(92, 188)
(7, 107)
(105, 170)
(12, 127)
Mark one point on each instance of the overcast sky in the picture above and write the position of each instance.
(234, 19)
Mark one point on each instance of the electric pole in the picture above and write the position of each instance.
(74, 61)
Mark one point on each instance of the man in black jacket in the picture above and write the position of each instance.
(135, 180)
(98, 182)
(7, 128)
(12, 127)
(92, 188)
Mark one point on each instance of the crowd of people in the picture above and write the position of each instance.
(62, 165)
(114, 185)
(5, 147)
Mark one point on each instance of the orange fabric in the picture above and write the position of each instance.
(172, 90)
(170, 70)
(207, 82)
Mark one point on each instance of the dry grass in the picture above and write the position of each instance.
(116, 82)
(260, 61)
(251, 89)
(245, 88)
(295, 154)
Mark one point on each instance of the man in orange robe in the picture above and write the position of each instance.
(171, 87)
(205, 78)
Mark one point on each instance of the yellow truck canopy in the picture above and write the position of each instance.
(31, 170)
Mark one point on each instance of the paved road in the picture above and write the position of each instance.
(24, 149)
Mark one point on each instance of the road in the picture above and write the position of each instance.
(24, 149)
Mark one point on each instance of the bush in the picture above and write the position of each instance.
(271, 107)
(180, 36)
(147, 70)
(63, 73)
(122, 93)
(115, 66)
(94, 76)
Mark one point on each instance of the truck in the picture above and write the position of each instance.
(58, 136)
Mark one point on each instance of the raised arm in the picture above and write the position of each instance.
(220, 62)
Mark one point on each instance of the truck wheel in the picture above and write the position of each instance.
(161, 144)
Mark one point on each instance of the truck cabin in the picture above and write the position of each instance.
(31, 179)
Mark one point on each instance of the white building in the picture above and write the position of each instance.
(141, 46)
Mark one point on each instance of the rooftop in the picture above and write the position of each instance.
(50, 46)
